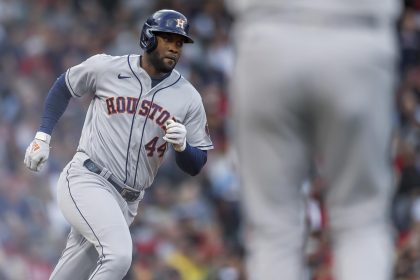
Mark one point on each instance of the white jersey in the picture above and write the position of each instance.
(124, 124)
(381, 9)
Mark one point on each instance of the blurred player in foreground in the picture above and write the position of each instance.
(315, 79)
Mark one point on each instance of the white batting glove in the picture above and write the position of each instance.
(37, 152)
(176, 134)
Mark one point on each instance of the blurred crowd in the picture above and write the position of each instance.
(188, 228)
(406, 207)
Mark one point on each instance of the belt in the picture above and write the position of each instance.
(128, 193)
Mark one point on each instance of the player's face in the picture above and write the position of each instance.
(167, 53)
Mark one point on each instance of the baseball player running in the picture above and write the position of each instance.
(315, 78)
(140, 104)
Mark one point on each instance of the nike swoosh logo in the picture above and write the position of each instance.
(123, 77)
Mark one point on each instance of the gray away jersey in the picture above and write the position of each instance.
(124, 123)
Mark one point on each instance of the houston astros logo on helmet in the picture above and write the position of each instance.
(180, 22)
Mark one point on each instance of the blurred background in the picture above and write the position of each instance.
(188, 228)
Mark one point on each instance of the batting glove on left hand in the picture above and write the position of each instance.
(37, 152)
(176, 134)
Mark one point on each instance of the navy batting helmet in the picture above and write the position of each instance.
(167, 21)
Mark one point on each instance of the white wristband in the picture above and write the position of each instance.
(43, 137)
(180, 148)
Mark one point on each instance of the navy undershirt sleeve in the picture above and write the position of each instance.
(55, 104)
(191, 160)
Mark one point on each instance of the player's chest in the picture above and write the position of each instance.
(132, 102)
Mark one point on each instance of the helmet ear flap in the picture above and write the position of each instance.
(152, 44)
(148, 41)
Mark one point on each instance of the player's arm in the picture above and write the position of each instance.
(76, 82)
(190, 159)
(55, 104)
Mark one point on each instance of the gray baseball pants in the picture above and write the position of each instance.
(99, 245)
(313, 90)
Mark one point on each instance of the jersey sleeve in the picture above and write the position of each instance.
(82, 78)
(196, 124)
